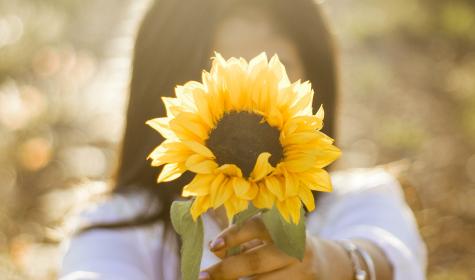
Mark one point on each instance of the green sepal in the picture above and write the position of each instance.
(288, 237)
(191, 234)
(245, 215)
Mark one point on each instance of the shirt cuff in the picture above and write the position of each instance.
(404, 262)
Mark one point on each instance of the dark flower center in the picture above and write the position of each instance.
(240, 137)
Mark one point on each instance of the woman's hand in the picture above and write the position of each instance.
(259, 257)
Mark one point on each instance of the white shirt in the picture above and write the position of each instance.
(365, 204)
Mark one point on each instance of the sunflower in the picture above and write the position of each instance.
(249, 135)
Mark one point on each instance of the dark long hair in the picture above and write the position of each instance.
(173, 45)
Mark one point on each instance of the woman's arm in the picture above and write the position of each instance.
(368, 207)
(335, 263)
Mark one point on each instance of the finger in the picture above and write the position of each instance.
(235, 235)
(244, 247)
(279, 274)
(261, 259)
(305, 269)
(251, 245)
(293, 271)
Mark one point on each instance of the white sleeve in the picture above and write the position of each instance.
(370, 205)
(112, 254)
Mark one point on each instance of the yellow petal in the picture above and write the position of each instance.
(306, 195)
(169, 151)
(285, 96)
(194, 98)
(200, 164)
(279, 70)
(300, 138)
(230, 170)
(291, 184)
(283, 210)
(244, 189)
(240, 204)
(299, 165)
(224, 192)
(316, 179)
(263, 91)
(202, 105)
(230, 210)
(251, 193)
(257, 64)
(316, 147)
(275, 118)
(264, 198)
(329, 155)
(235, 205)
(199, 206)
(259, 86)
(218, 180)
(262, 167)
(294, 205)
(184, 96)
(172, 106)
(162, 125)
(234, 76)
(199, 186)
(170, 172)
(187, 127)
(213, 95)
(320, 113)
(302, 124)
(199, 149)
(157, 154)
(303, 101)
(275, 186)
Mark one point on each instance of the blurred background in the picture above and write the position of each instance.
(408, 92)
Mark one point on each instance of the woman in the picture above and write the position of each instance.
(363, 227)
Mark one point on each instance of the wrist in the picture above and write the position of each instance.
(318, 257)
(356, 255)
(331, 261)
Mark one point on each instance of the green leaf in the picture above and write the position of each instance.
(191, 234)
(245, 215)
(238, 220)
(288, 237)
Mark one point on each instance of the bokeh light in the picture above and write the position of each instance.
(408, 96)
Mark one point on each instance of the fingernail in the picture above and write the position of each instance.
(204, 275)
(217, 244)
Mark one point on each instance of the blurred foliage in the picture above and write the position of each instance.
(63, 75)
(409, 92)
(408, 83)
